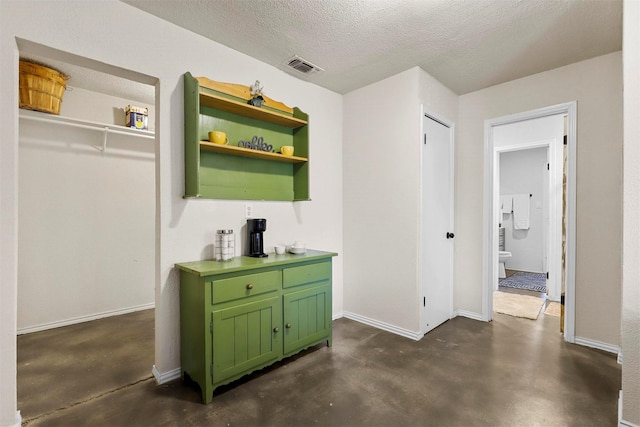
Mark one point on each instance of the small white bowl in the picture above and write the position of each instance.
(297, 251)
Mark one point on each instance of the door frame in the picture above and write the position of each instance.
(489, 255)
(424, 113)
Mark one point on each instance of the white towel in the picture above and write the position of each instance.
(506, 204)
(521, 212)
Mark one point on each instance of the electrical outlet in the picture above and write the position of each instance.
(248, 210)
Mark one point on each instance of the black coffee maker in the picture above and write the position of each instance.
(255, 228)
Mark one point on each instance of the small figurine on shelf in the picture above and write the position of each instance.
(256, 93)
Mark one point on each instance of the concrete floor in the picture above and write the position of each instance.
(510, 372)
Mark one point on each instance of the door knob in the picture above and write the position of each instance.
(450, 235)
(276, 329)
(288, 325)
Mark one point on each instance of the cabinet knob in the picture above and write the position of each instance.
(276, 329)
(288, 325)
(249, 286)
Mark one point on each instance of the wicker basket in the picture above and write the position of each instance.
(41, 88)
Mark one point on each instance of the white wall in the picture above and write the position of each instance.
(98, 107)
(184, 228)
(522, 172)
(381, 196)
(8, 234)
(86, 232)
(631, 255)
(596, 85)
(381, 159)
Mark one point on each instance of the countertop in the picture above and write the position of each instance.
(244, 263)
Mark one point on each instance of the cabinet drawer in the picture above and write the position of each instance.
(295, 276)
(245, 286)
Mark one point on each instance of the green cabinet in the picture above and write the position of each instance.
(233, 172)
(247, 313)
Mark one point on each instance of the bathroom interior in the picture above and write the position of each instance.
(524, 219)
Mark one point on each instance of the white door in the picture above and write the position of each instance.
(437, 222)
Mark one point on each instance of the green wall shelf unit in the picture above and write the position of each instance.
(217, 171)
(242, 315)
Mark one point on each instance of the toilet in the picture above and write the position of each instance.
(503, 256)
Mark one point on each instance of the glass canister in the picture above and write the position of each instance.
(225, 246)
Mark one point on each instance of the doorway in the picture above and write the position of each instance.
(523, 176)
(437, 235)
(493, 130)
(87, 232)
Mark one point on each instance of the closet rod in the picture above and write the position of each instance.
(88, 125)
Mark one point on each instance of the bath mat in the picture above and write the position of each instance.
(528, 281)
(517, 305)
(553, 309)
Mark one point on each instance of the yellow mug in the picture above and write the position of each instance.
(287, 150)
(218, 137)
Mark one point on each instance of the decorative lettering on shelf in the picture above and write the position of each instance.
(256, 143)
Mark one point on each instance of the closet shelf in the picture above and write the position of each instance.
(84, 124)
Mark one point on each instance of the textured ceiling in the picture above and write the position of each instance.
(467, 45)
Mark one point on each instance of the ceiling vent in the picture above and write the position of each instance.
(302, 65)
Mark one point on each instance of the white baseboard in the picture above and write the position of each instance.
(609, 348)
(621, 422)
(416, 336)
(469, 314)
(620, 357)
(162, 378)
(337, 316)
(18, 420)
(82, 319)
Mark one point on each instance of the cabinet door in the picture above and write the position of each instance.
(307, 317)
(246, 337)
